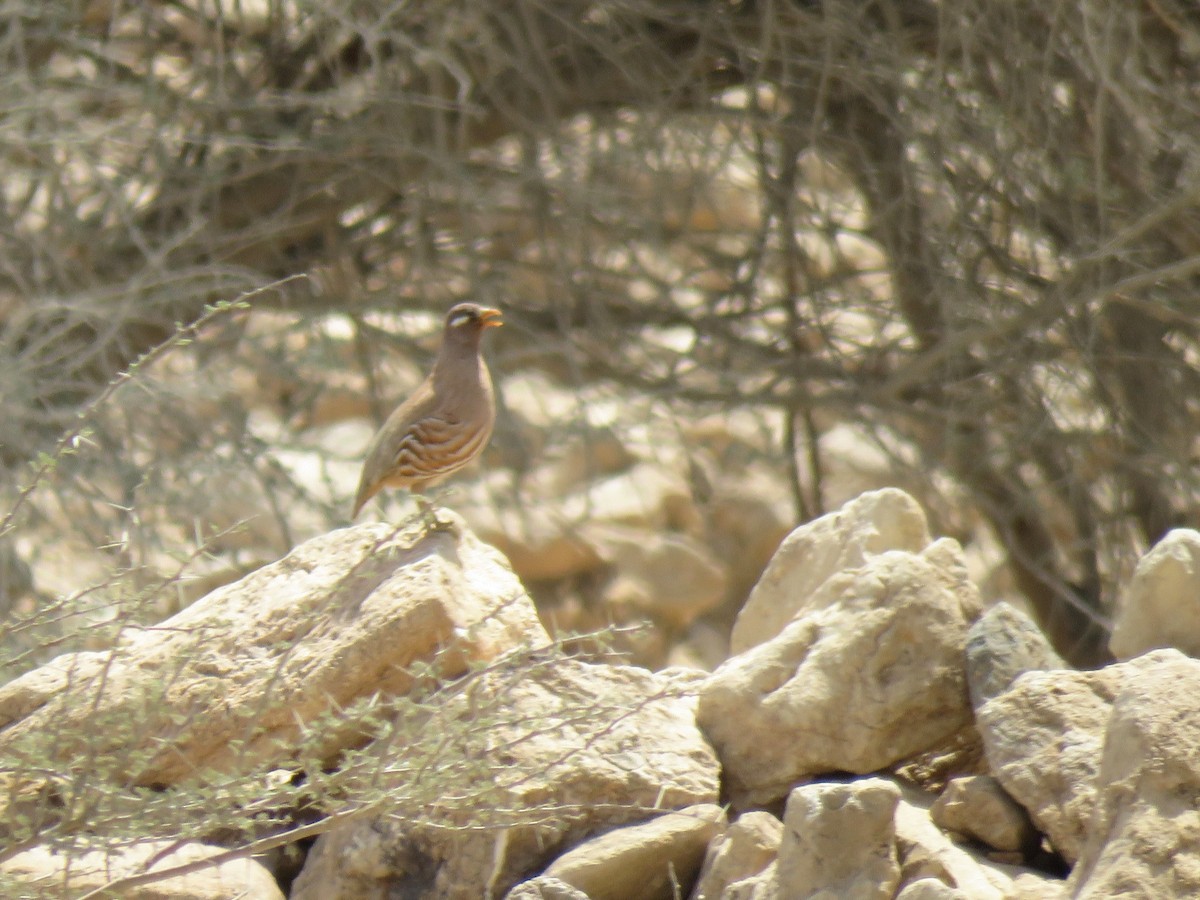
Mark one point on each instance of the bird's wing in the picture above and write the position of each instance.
(381, 451)
(429, 447)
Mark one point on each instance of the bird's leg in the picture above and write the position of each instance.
(428, 510)
(429, 514)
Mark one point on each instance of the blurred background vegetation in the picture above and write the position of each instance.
(964, 234)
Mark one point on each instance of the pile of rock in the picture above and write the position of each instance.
(874, 732)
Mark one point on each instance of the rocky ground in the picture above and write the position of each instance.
(874, 730)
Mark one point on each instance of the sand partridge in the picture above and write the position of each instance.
(447, 421)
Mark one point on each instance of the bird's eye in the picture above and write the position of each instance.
(460, 320)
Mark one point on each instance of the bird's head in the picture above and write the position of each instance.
(471, 319)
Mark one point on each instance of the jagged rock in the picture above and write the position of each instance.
(74, 874)
(977, 807)
(1161, 605)
(839, 840)
(562, 748)
(1144, 839)
(869, 673)
(1043, 739)
(648, 861)
(745, 850)
(231, 681)
(1002, 644)
(876, 522)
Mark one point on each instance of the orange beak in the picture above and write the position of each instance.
(491, 318)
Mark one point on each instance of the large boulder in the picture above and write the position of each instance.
(1161, 605)
(1043, 740)
(874, 523)
(231, 681)
(140, 872)
(868, 673)
(1144, 837)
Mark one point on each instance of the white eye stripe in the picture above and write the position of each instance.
(460, 319)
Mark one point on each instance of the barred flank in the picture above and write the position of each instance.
(436, 447)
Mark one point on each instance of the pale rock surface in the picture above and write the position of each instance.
(230, 681)
(926, 862)
(1030, 886)
(747, 847)
(644, 861)
(1043, 740)
(1144, 839)
(927, 852)
(1002, 644)
(875, 522)
(88, 871)
(545, 888)
(868, 674)
(977, 807)
(757, 887)
(1161, 605)
(931, 889)
(571, 749)
(839, 840)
